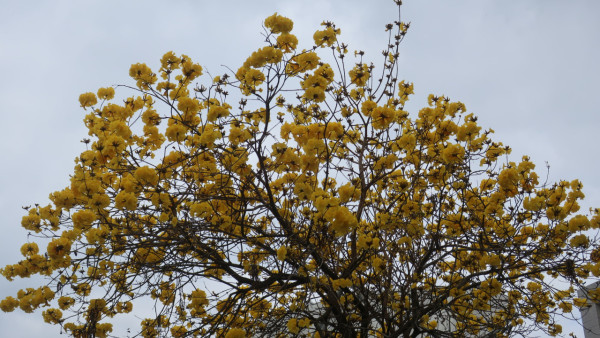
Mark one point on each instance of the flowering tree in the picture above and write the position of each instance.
(315, 205)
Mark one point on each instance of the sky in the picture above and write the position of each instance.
(528, 69)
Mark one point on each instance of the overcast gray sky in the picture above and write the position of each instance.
(528, 69)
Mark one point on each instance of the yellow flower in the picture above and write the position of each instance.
(580, 241)
(254, 77)
(106, 93)
(555, 329)
(169, 62)
(99, 201)
(146, 176)
(359, 75)
(534, 203)
(281, 253)
(58, 248)
(580, 302)
(508, 179)
(210, 134)
(52, 316)
(189, 69)
(367, 107)
(97, 304)
(432, 324)
(357, 94)
(382, 117)
(216, 112)
(304, 322)
(279, 24)
(148, 255)
(236, 333)
(579, 223)
(533, 286)
(326, 36)
(113, 145)
(468, 131)
(303, 62)
(63, 199)
(315, 94)
(178, 331)
(150, 117)
(453, 153)
(29, 249)
(264, 56)
(334, 131)
(187, 105)
(344, 221)
(314, 81)
(314, 147)
(378, 264)
(102, 329)
(198, 300)
(126, 200)
(341, 283)
(120, 128)
(87, 99)
(124, 307)
(8, 304)
(176, 132)
(287, 42)
(65, 302)
(143, 75)
(292, 325)
(407, 142)
(405, 89)
(238, 135)
(203, 209)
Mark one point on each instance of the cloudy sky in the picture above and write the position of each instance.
(528, 69)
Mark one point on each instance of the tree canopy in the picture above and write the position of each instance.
(295, 196)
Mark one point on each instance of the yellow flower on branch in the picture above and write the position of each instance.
(287, 42)
(279, 24)
(106, 93)
(327, 36)
(453, 153)
(359, 75)
(87, 99)
(58, 248)
(236, 333)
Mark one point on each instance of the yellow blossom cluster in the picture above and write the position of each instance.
(359, 75)
(316, 84)
(279, 24)
(327, 36)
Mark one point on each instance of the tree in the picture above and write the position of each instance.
(315, 205)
